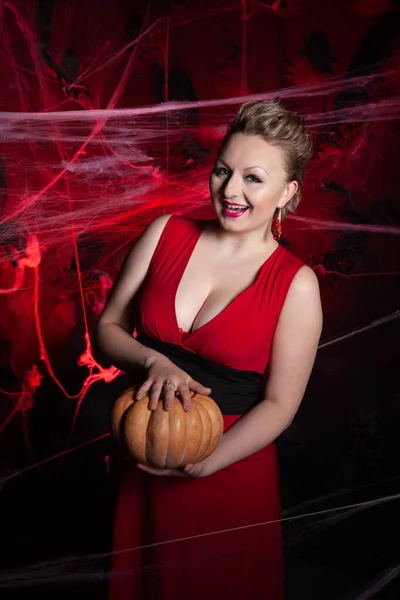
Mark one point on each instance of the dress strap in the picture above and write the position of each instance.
(177, 240)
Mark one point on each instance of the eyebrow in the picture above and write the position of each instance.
(246, 169)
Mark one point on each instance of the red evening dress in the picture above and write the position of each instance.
(218, 536)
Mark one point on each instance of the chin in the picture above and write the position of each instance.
(231, 224)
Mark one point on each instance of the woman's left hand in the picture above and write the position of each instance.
(197, 470)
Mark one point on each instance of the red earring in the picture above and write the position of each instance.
(277, 225)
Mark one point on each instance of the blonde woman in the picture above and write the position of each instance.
(220, 308)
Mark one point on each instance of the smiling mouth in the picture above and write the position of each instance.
(235, 207)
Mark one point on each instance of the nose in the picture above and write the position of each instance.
(232, 186)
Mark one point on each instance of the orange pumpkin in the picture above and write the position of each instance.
(166, 439)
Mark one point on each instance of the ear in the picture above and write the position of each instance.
(289, 191)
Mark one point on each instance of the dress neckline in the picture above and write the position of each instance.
(184, 335)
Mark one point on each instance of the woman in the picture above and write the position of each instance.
(221, 299)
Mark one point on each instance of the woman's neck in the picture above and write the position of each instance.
(244, 244)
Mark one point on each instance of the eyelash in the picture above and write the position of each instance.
(255, 178)
(221, 171)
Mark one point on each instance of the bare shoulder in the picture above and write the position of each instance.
(133, 273)
(145, 245)
(159, 222)
(153, 231)
(304, 282)
(303, 298)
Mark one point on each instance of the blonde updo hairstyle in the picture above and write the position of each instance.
(279, 127)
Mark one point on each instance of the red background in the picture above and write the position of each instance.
(77, 188)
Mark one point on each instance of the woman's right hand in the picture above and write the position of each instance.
(166, 378)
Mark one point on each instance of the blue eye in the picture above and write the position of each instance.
(221, 171)
(253, 178)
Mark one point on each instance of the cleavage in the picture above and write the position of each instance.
(197, 306)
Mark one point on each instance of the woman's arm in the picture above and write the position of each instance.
(293, 354)
(114, 329)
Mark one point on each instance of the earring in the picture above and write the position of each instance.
(277, 225)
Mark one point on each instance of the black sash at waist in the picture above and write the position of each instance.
(235, 391)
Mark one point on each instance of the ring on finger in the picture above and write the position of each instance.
(168, 384)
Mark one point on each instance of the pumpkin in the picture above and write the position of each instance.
(166, 439)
